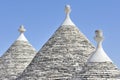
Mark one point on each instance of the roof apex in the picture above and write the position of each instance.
(68, 20)
(99, 55)
(22, 37)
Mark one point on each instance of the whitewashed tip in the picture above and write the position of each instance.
(99, 55)
(21, 29)
(67, 20)
(22, 37)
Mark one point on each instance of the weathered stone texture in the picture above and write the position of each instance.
(99, 71)
(61, 57)
(16, 59)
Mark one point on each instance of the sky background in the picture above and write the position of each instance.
(42, 17)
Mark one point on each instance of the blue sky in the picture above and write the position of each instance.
(42, 17)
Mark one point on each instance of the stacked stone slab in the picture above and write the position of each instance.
(62, 56)
(16, 58)
(99, 65)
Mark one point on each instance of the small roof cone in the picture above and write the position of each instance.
(62, 55)
(99, 55)
(99, 65)
(16, 58)
(67, 20)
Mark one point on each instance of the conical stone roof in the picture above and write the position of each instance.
(99, 65)
(16, 58)
(62, 56)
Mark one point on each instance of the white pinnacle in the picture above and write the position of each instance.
(67, 20)
(99, 55)
(22, 37)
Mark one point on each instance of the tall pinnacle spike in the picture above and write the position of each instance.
(99, 54)
(67, 20)
(22, 37)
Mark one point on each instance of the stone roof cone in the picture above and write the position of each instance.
(99, 65)
(16, 58)
(62, 55)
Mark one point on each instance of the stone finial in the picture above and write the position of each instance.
(99, 55)
(99, 36)
(67, 20)
(22, 37)
(22, 29)
(67, 9)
